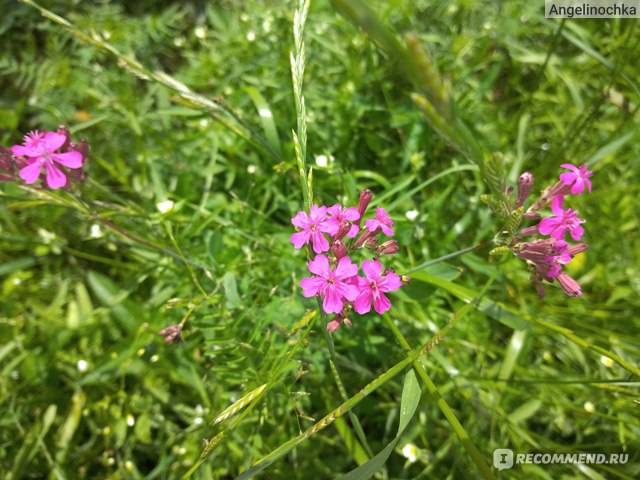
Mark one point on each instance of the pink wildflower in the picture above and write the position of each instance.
(340, 214)
(577, 178)
(40, 149)
(313, 226)
(374, 286)
(333, 285)
(382, 221)
(564, 220)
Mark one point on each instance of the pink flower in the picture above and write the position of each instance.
(313, 226)
(564, 220)
(333, 285)
(340, 214)
(374, 286)
(577, 178)
(382, 220)
(40, 149)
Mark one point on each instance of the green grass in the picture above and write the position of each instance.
(195, 104)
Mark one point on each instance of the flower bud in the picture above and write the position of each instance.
(343, 229)
(573, 250)
(365, 237)
(62, 130)
(569, 285)
(388, 248)
(338, 249)
(171, 333)
(337, 322)
(525, 182)
(405, 279)
(365, 198)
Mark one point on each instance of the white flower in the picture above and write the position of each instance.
(83, 365)
(410, 452)
(130, 420)
(412, 215)
(251, 36)
(200, 32)
(165, 206)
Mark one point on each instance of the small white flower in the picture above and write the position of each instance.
(412, 215)
(96, 231)
(266, 25)
(244, 17)
(200, 32)
(130, 420)
(410, 452)
(589, 407)
(252, 169)
(322, 161)
(251, 36)
(83, 366)
(165, 206)
(606, 361)
(16, 281)
(198, 421)
(154, 358)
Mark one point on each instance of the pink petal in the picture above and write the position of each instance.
(548, 225)
(362, 304)
(300, 220)
(383, 216)
(317, 213)
(22, 151)
(353, 231)
(68, 159)
(372, 269)
(312, 285)
(351, 214)
(576, 232)
(390, 283)
(320, 243)
(578, 187)
(556, 205)
(332, 301)
(300, 238)
(381, 304)
(350, 292)
(31, 172)
(372, 224)
(345, 269)
(568, 178)
(386, 230)
(570, 166)
(588, 182)
(320, 266)
(55, 178)
(331, 226)
(53, 141)
(335, 210)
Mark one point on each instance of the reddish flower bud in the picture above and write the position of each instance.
(388, 248)
(62, 130)
(343, 229)
(171, 333)
(365, 198)
(525, 182)
(365, 237)
(338, 249)
(569, 285)
(573, 250)
(336, 323)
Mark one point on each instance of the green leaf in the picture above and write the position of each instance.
(231, 290)
(408, 405)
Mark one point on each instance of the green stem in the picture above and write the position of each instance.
(460, 431)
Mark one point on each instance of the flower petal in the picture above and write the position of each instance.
(68, 159)
(353, 231)
(362, 304)
(320, 266)
(320, 243)
(332, 301)
(351, 214)
(53, 141)
(345, 269)
(390, 283)
(372, 269)
(548, 225)
(350, 292)
(381, 304)
(372, 224)
(311, 286)
(300, 220)
(31, 172)
(23, 151)
(300, 238)
(556, 205)
(55, 178)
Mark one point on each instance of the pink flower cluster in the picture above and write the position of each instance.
(335, 277)
(51, 152)
(547, 256)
